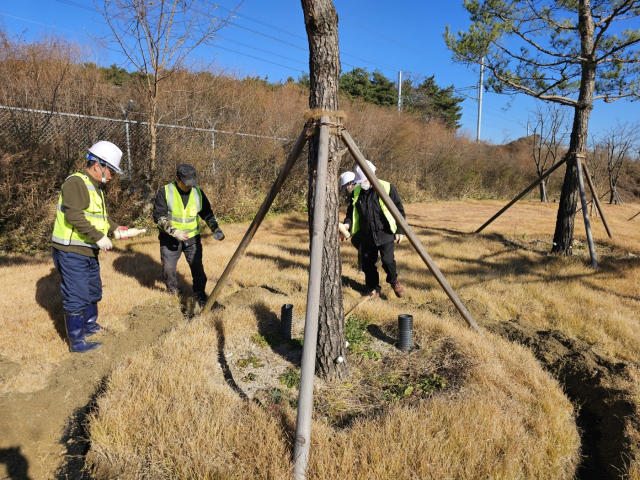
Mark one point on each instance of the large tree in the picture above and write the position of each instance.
(572, 52)
(157, 37)
(321, 21)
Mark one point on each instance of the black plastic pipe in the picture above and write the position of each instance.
(405, 327)
(286, 321)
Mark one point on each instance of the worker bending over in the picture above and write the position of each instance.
(176, 210)
(368, 215)
(79, 233)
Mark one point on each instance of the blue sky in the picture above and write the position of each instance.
(268, 38)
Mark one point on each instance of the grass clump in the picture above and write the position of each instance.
(291, 378)
(252, 360)
(357, 334)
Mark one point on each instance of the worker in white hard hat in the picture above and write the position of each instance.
(81, 230)
(369, 216)
(347, 185)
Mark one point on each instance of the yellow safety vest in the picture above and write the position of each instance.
(184, 218)
(387, 214)
(65, 234)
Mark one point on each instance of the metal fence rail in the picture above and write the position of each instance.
(76, 133)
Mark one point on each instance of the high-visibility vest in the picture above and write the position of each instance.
(65, 234)
(184, 218)
(387, 214)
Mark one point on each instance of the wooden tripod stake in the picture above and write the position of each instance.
(308, 365)
(413, 239)
(585, 213)
(253, 228)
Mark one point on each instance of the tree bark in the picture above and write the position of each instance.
(153, 134)
(563, 236)
(543, 192)
(321, 21)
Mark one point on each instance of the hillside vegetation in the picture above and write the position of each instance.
(426, 160)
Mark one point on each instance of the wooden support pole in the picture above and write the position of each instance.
(524, 192)
(585, 213)
(413, 239)
(633, 217)
(595, 200)
(264, 208)
(308, 365)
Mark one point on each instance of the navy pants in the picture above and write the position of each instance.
(81, 284)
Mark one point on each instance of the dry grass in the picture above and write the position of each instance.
(170, 413)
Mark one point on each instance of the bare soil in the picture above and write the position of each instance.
(599, 386)
(41, 433)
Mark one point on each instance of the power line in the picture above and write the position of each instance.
(261, 50)
(261, 59)
(44, 24)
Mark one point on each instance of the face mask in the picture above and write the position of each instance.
(365, 185)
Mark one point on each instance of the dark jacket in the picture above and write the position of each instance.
(374, 226)
(161, 209)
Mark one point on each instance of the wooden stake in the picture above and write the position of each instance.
(585, 213)
(264, 208)
(413, 239)
(594, 195)
(633, 217)
(308, 365)
(524, 192)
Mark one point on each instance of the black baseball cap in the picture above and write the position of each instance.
(187, 174)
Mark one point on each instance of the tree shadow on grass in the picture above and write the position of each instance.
(48, 297)
(222, 359)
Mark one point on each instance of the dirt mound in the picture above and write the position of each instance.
(599, 385)
(42, 431)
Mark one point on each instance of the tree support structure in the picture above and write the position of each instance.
(308, 365)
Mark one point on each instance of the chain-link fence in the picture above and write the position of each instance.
(78, 132)
(39, 149)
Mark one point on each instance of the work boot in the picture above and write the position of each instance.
(74, 324)
(91, 320)
(398, 289)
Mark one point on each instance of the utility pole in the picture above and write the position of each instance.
(527, 128)
(480, 85)
(399, 91)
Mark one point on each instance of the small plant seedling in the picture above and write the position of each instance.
(295, 343)
(291, 378)
(249, 377)
(253, 361)
(259, 340)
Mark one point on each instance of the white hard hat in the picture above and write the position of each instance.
(360, 177)
(108, 153)
(346, 177)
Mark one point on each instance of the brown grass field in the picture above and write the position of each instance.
(177, 409)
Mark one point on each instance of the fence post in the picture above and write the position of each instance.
(126, 129)
(213, 142)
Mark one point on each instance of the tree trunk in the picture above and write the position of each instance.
(153, 134)
(321, 21)
(563, 236)
(543, 192)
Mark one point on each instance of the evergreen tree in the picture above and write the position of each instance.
(435, 103)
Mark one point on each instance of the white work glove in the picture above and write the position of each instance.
(343, 237)
(217, 234)
(104, 244)
(399, 238)
(180, 235)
